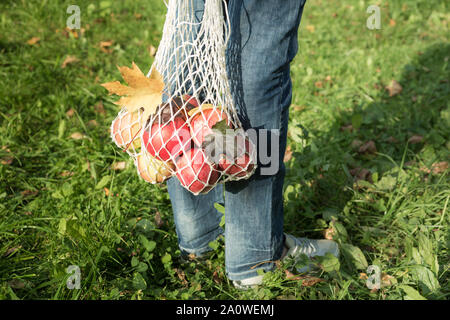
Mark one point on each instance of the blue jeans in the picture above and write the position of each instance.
(263, 42)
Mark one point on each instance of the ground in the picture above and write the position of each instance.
(367, 163)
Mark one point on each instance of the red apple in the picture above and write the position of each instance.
(191, 100)
(201, 123)
(166, 141)
(194, 172)
(239, 164)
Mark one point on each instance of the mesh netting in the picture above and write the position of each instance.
(195, 134)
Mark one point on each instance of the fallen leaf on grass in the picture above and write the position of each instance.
(7, 160)
(158, 221)
(356, 144)
(92, 123)
(99, 108)
(121, 165)
(310, 28)
(70, 112)
(104, 46)
(363, 276)
(299, 108)
(16, 284)
(77, 136)
(216, 277)
(142, 92)
(360, 174)
(33, 41)
(69, 60)
(12, 250)
(415, 139)
(287, 154)
(329, 233)
(394, 88)
(307, 281)
(318, 84)
(436, 168)
(106, 191)
(439, 167)
(152, 50)
(387, 280)
(26, 193)
(368, 147)
(66, 173)
(181, 275)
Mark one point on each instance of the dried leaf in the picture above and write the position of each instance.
(368, 147)
(142, 92)
(216, 277)
(92, 123)
(26, 193)
(69, 60)
(70, 112)
(310, 28)
(356, 144)
(394, 88)
(77, 136)
(329, 233)
(99, 108)
(387, 280)
(439, 167)
(299, 108)
(6, 160)
(363, 276)
(318, 84)
(152, 50)
(121, 165)
(360, 174)
(66, 173)
(33, 41)
(287, 154)
(415, 139)
(158, 221)
(181, 275)
(307, 281)
(12, 250)
(106, 191)
(16, 284)
(104, 46)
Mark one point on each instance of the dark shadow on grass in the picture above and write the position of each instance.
(389, 122)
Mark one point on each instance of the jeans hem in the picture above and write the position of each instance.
(199, 251)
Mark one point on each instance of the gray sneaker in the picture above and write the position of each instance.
(295, 247)
(311, 248)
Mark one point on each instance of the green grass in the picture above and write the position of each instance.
(397, 218)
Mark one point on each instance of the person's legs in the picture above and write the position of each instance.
(262, 45)
(196, 219)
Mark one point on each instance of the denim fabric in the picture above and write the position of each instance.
(263, 43)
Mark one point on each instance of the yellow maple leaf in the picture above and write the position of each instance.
(141, 92)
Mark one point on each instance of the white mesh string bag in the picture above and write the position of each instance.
(195, 134)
